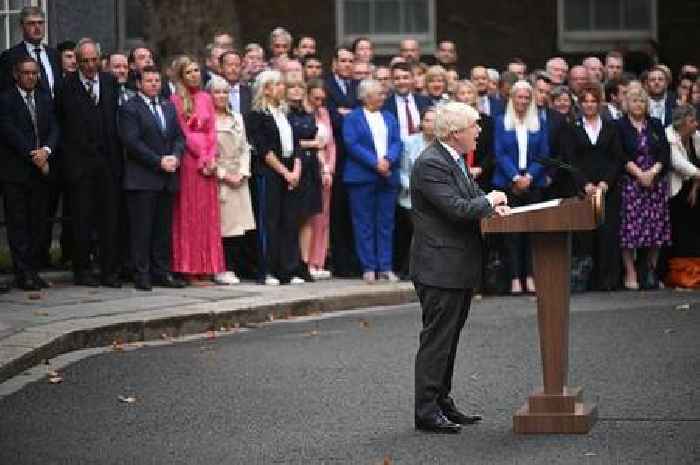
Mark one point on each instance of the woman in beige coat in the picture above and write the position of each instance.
(233, 172)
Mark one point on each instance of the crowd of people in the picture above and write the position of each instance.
(269, 164)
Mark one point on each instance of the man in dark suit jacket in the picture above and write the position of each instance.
(341, 99)
(87, 109)
(446, 259)
(139, 57)
(29, 134)
(240, 96)
(33, 22)
(406, 106)
(154, 144)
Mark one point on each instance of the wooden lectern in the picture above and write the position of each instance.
(557, 408)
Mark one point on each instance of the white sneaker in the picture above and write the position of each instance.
(271, 281)
(296, 280)
(388, 276)
(226, 278)
(324, 274)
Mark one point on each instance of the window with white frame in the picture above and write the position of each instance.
(587, 25)
(10, 29)
(386, 22)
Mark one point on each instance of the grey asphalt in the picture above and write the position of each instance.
(339, 390)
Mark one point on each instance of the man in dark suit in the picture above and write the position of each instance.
(33, 22)
(87, 109)
(29, 135)
(139, 57)
(341, 99)
(446, 259)
(406, 106)
(240, 96)
(662, 101)
(154, 144)
(488, 104)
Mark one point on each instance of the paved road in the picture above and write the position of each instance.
(338, 390)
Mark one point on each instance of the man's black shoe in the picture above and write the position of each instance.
(86, 279)
(438, 423)
(27, 283)
(112, 281)
(41, 281)
(4, 288)
(458, 417)
(169, 281)
(142, 283)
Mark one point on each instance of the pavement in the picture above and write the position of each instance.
(37, 326)
(337, 389)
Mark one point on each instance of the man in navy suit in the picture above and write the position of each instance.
(29, 135)
(405, 105)
(488, 104)
(87, 110)
(240, 96)
(153, 141)
(341, 90)
(33, 22)
(661, 100)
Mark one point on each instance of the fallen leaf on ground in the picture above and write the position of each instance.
(117, 345)
(313, 332)
(53, 373)
(387, 460)
(55, 379)
(34, 296)
(364, 324)
(669, 331)
(126, 400)
(40, 313)
(683, 307)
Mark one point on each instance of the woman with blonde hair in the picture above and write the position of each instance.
(277, 173)
(436, 84)
(646, 218)
(520, 141)
(233, 172)
(197, 248)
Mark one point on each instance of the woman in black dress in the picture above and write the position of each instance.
(595, 149)
(307, 195)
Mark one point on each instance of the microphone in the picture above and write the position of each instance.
(573, 173)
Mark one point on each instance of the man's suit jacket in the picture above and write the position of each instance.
(17, 137)
(146, 144)
(361, 155)
(446, 208)
(497, 106)
(11, 55)
(246, 97)
(336, 99)
(506, 148)
(89, 131)
(164, 90)
(422, 102)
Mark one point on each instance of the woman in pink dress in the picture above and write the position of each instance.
(320, 223)
(197, 249)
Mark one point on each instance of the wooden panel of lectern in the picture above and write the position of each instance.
(557, 408)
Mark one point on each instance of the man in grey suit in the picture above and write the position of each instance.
(446, 259)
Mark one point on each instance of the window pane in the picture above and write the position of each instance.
(606, 14)
(15, 29)
(134, 19)
(18, 4)
(3, 39)
(387, 17)
(577, 15)
(356, 17)
(416, 16)
(638, 14)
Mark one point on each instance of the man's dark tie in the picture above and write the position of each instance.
(31, 106)
(154, 108)
(44, 76)
(462, 165)
(409, 118)
(347, 86)
(90, 88)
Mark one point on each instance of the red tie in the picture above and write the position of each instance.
(409, 118)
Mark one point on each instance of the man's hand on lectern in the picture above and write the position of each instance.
(497, 198)
(502, 210)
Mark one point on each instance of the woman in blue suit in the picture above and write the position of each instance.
(371, 176)
(520, 141)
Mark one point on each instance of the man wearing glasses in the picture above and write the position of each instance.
(33, 22)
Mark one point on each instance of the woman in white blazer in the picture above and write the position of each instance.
(684, 177)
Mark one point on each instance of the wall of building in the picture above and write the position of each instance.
(73, 19)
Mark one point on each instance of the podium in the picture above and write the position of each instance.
(557, 408)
